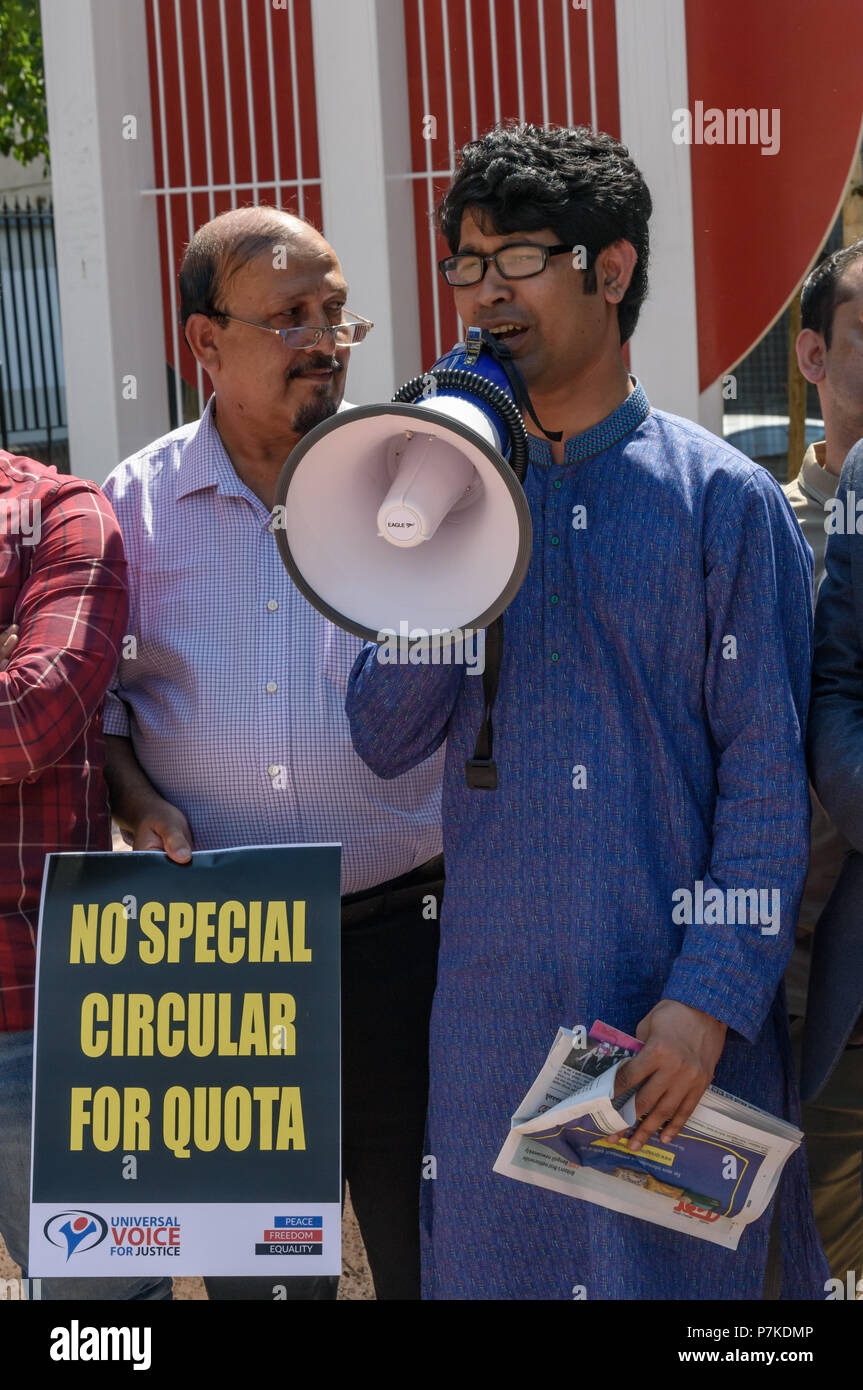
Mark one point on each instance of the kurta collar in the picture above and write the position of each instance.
(616, 426)
(815, 482)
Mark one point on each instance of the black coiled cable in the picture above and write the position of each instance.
(486, 390)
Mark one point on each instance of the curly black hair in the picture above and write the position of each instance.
(579, 182)
(822, 293)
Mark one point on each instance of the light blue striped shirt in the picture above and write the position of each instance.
(233, 687)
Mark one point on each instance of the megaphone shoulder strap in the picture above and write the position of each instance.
(481, 769)
(517, 386)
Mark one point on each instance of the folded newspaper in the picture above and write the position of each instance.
(716, 1176)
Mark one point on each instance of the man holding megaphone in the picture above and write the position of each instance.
(649, 717)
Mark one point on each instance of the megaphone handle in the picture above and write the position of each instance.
(484, 390)
(481, 769)
(502, 354)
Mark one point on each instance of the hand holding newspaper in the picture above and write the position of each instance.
(710, 1182)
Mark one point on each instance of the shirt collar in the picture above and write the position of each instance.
(205, 462)
(814, 479)
(610, 431)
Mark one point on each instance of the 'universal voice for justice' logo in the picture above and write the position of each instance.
(75, 1231)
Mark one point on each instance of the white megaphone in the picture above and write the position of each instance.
(406, 517)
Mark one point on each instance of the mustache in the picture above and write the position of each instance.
(318, 363)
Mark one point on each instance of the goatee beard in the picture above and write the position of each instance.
(313, 412)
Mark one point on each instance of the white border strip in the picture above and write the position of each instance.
(471, 75)
(428, 178)
(229, 110)
(591, 64)
(169, 234)
(651, 50)
(250, 100)
(227, 187)
(298, 144)
(274, 123)
(184, 126)
(519, 66)
(450, 124)
(495, 75)
(543, 70)
(205, 89)
(567, 63)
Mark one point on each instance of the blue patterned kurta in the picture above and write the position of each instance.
(559, 905)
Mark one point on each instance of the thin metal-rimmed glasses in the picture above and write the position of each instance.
(305, 337)
(517, 261)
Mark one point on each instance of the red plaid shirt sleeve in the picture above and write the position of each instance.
(65, 587)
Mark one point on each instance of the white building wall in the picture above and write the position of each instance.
(96, 77)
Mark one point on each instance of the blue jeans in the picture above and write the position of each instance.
(16, 1071)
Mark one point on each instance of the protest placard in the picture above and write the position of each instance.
(187, 1066)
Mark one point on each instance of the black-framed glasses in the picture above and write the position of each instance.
(345, 334)
(517, 261)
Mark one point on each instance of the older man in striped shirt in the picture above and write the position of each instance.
(227, 723)
(63, 614)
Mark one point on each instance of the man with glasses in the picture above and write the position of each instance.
(227, 726)
(649, 744)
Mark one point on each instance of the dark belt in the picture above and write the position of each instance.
(395, 892)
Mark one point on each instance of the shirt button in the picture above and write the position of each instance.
(271, 687)
(555, 656)
(272, 770)
(272, 604)
(555, 540)
(555, 598)
(558, 483)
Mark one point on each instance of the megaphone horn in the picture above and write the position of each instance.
(407, 516)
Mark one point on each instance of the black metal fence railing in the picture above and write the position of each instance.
(32, 387)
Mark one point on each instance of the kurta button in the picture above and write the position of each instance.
(558, 482)
(555, 598)
(555, 656)
(555, 540)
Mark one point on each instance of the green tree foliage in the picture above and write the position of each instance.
(23, 115)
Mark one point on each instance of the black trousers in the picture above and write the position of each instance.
(389, 966)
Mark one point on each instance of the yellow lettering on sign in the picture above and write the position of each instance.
(94, 1009)
(277, 938)
(232, 948)
(84, 934)
(152, 949)
(181, 923)
(301, 952)
(290, 1132)
(170, 1041)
